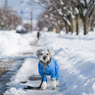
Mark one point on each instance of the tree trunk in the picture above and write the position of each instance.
(86, 24)
(71, 29)
(86, 27)
(58, 29)
(77, 24)
(67, 28)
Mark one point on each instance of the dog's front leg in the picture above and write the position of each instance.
(53, 83)
(44, 85)
(57, 83)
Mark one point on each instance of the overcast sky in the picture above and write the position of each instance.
(24, 9)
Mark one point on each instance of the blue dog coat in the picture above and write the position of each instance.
(51, 69)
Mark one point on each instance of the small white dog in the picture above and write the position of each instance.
(49, 65)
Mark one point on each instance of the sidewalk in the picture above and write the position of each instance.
(6, 77)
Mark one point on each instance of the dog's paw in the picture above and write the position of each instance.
(53, 84)
(57, 83)
(44, 85)
(53, 88)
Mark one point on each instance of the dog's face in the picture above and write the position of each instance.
(45, 55)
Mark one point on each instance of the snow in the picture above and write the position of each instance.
(67, 20)
(36, 1)
(60, 11)
(61, 2)
(76, 59)
(14, 43)
(51, 15)
(83, 2)
(64, 8)
(46, 16)
(84, 12)
(76, 11)
(20, 27)
(50, 9)
(88, 1)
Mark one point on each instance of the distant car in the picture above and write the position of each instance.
(20, 29)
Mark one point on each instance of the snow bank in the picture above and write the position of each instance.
(76, 57)
(27, 69)
(13, 43)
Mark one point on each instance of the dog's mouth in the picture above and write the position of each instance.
(45, 62)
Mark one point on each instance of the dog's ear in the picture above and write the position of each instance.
(50, 52)
(38, 52)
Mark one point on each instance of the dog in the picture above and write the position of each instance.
(49, 65)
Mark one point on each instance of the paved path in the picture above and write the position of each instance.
(12, 70)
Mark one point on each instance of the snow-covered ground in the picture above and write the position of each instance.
(75, 56)
(12, 43)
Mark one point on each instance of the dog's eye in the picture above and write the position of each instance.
(47, 53)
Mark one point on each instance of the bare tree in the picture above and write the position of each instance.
(65, 10)
(86, 9)
(9, 19)
(59, 11)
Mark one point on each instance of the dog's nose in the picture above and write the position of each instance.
(44, 57)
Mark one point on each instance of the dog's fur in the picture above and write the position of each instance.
(45, 57)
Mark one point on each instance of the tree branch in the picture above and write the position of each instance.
(85, 4)
(92, 9)
(89, 7)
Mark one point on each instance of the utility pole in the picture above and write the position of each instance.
(6, 3)
(5, 11)
(31, 19)
(31, 12)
